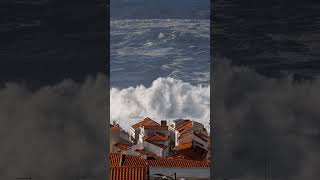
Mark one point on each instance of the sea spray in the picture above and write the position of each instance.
(166, 98)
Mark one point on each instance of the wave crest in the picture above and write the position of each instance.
(166, 98)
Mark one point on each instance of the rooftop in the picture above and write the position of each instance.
(184, 124)
(183, 146)
(145, 122)
(127, 173)
(130, 161)
(177, 162)
(115, 159)
(133, 161)
(159, 137)
(156, 127)
(192, 153)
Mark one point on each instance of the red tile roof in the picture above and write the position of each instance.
(183, 146)
(145, 122)
(186, 135)
(135, 167)
(151, 127)
(159, 137)
(195, 153)
(114, 159)
(186, 124)
(132, 167)
(177, 162)
(127, 173)
(133, 161)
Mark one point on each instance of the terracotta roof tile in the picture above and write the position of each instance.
(133, 161)
(156, 127)
(157, 138)
(177, 162)
(186, 135)
(127, 173)
(115, 159)
(186, 124)
(183, 146)
(145, 122)
(195, 153)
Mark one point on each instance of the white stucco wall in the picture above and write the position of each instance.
(155, 149)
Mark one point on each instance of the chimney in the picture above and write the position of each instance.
(163, 123)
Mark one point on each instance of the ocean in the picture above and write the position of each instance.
(159, 68)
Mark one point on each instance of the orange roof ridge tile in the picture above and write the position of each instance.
(165, 162)
(145, 122)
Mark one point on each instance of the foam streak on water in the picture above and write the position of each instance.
(144, 50)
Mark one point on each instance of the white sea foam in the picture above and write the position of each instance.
(166, 98)
(161, 35)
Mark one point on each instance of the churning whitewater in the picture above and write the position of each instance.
(160, 69)
(166, 98)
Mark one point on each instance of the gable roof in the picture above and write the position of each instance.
(157, 127)
(145, 122)
(185, 124)
(159, 137)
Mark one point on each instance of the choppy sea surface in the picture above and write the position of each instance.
(143, 50)
(159, 68)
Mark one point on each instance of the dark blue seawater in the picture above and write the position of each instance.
(144, 50)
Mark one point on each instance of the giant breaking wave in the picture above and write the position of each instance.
(166, 98)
